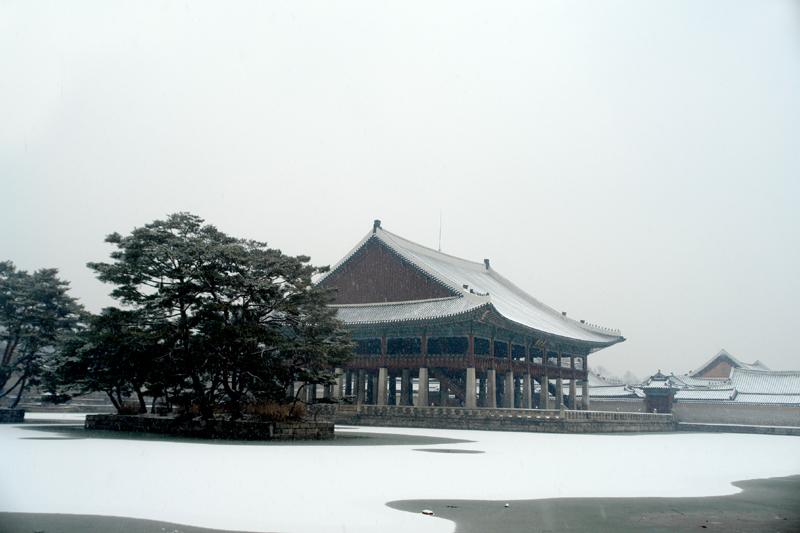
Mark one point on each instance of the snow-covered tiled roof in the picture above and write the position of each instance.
(744, 387)
(599, 381)
(760, 382)
(478, 283)
(692, 381)
(723, 354)
(405, 311)
(767, 399)
(705, 395)
(613, 391)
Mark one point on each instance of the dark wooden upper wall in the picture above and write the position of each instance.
(376, 275)
(720, 368)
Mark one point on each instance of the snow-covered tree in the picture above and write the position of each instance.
(218, 322)
(36, 314)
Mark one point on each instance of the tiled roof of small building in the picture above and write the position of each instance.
(744, 398)
(760, 382)
(613, 391)
(477, 283)
(701, 395)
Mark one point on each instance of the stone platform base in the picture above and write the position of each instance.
(528, 420)
(214, 429)
(12, 416)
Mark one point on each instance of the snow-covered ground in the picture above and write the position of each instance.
(319, 488)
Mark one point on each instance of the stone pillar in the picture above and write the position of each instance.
(348, 383)
(422, 398)
(572, 394)
(544, 397)
(360, 383)
(470, 386)
(585, 394)
(491, 388)
(559, 392)
(311, 392)
(406, 394)
(337, 387)
(370, 399)
(526, 391)
(381, 386)
(508, 390)
(392, 389)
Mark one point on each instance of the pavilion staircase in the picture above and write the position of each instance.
(454, 387)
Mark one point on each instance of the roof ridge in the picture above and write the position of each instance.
(395, 237)
(400, 302)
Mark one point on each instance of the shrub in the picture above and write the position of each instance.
(274, 412)
(128, 408)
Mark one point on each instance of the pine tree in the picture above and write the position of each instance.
(36, 316)
(218, 322)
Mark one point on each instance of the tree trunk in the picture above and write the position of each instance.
(206, 412)
(114, 401)
(19, 394)
(6, 393)
(142, 404)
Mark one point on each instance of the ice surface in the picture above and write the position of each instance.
(321, 488)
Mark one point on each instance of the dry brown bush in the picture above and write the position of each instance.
(192, 411)
(128, 408)
(274, 412)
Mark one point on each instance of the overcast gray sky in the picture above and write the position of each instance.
(635, 164)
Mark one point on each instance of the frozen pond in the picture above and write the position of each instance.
(344, 486)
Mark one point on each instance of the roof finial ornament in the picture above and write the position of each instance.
(486, 262)
(376, 225)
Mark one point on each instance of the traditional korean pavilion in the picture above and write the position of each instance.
(464, 334)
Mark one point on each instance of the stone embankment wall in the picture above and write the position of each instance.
(708, 413)
(734, 428)
(214, 429)
(12, 416)
(528, 420)
(759, 415)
